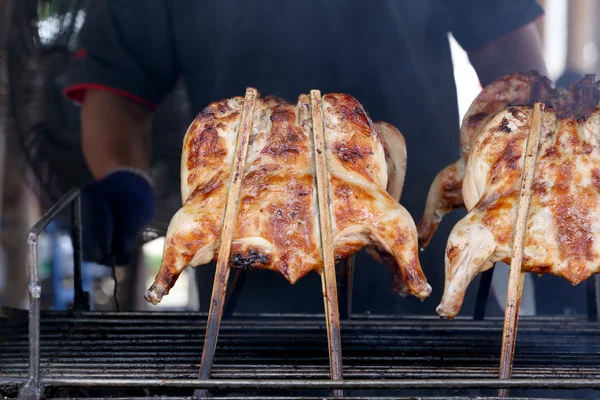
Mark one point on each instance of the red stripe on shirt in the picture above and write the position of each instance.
(79, 54)
(77, 93)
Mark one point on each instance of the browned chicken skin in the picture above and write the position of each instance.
(564, 217)
(445, 193)
(277, 226)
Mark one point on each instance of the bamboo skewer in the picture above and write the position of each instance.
(516, 277)
(228, 229)
(328, 278)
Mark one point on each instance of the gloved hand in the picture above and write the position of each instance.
(114, 211)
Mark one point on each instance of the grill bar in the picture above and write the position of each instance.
(258, 352)
(319, 398)
(353, 373)
(258, 384)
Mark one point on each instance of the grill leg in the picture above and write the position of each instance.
(237, 285)
(81, 302)
(591, 286)
(31, 389)
(483, 293)
(347, 266)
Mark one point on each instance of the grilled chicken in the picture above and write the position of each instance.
(564, 217)
(277, 225)
(518, 89)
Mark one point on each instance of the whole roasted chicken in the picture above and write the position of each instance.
(277, 224)
(563, 219)
(445, 193)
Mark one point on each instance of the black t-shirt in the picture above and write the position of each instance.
(392, 55)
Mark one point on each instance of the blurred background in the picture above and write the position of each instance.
(40, 159)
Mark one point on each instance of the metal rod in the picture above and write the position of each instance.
(483, 293)
(347, 267)
(516, 277)
(237, 285)
(7, 17)
(215, 312)
(587, 95)
(60, 205)
(272, 397)
(591, 289)
(229, 384)
(81, 299)
(31, 389)
(328, 278)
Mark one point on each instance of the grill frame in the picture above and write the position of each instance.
(382, 353)
(31, 386)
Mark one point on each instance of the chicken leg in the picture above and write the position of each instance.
(445, 195)
(470, 247)
(519, 88)
(194, 232)
(363, 210)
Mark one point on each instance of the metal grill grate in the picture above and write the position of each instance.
(161, 351)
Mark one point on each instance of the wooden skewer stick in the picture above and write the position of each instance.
(516, 277)
(328, 278)
(228, 229)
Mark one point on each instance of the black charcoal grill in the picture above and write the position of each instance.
(131, 354)
(87, 354)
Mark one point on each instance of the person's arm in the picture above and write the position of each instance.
(126, 64)
(520, 50)
(115, 133)
(499, 36)
(115, 136)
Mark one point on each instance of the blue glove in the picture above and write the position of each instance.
(114, 212)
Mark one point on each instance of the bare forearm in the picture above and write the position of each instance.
(520, 51)
(115, 133)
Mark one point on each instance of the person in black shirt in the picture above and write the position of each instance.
(392, 55)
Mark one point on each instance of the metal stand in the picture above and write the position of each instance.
(31, 389)
(81, 302)
(483, 293)
(592, 300)
(347, 267)
(236, 290)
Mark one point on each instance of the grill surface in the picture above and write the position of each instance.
(161, 352)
